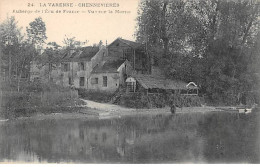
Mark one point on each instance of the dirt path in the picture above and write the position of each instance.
(105, 106)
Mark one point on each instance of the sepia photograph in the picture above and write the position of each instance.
(129, 82)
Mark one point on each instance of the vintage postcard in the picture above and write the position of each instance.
(129, 81)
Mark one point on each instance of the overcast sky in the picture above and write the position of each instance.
(83, 26)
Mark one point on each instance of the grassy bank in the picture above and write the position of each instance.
(139, 100)
(37, 98)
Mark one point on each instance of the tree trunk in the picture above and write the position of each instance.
(10, 67)
(19, 79)
(249, 25)
(164, 36)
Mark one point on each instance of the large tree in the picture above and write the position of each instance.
(10, 36)
(207, 41)
(16, 54)
(36, 31)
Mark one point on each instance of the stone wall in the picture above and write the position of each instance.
(112, 82)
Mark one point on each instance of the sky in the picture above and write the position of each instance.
(83, 25)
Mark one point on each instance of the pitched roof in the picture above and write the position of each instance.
(85, 53)
(108, 67)
(154, 82)
(130, 43)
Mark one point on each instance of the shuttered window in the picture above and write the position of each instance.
(82, 66)
(104, 81)
(82, 81)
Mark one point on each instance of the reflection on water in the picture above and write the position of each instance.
(181, 138)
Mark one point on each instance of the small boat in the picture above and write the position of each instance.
(245, 109)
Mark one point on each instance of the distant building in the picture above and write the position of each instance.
(133, 52)
(110, 75)
(154, 84)
(73, 68)
(91, 68)
(123, 63)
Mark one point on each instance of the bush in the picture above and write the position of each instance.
(139, 100)
(26, 103)
(134, 100)
(97, 96)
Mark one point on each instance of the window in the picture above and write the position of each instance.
(82, 66)
(105, 81)
(82, 81)
(131, 86)
(70, 81)
(94, 81)
(66, 67)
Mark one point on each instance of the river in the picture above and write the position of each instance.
(214, 137)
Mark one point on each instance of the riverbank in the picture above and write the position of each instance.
(94, 110)
(106, 110)
(91, 109)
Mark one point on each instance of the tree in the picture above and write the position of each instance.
(17, 52)
(72, 43)
(36, 31)
(208, 41)
(10, 38)
(24, 57)
(170, 32)
(53, 45)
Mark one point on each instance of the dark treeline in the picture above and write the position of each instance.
(214, 43)
(17, 50)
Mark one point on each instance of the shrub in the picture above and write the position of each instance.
(25, 103)
(97, 96)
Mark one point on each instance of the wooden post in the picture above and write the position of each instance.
(41, 97)
(1, 95)
(10, 67)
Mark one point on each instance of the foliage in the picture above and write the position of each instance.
(135, 100)
(97, 96)
(72, 43)
(139, 100)
(17, 52)
(211, 42)
(36, 31)
(37, 97)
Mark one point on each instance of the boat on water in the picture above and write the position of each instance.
(246, 109)
(240, 109)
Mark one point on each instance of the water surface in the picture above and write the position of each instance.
(215, 137)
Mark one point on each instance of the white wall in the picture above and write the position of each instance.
(112, 82)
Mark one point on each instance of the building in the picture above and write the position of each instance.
(123, 58)
(152, 84)
(72, 69)
(123, 63)
(92, 68)
(110, 75)
(133, 52)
